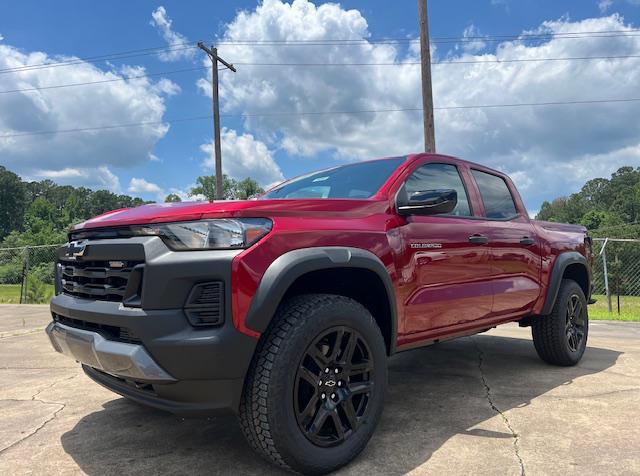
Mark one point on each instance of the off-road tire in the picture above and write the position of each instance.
(267, 415)
(550, 333)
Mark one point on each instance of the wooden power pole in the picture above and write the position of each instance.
(427, 89)
(215, 104)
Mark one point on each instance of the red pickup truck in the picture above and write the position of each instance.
(285, 309)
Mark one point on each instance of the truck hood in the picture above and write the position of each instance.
(167, 212)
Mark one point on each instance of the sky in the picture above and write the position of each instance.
(506, 53)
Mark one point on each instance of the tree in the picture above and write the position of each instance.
(248, 188)
(206, 186)
(172, 198)
(12, 202)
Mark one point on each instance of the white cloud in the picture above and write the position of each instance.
(551, 146)
(95, 178)
(473, 42)
(143, 187)
(243, 156)
(95, 105)
(604, 5)
(1, 37)
(179, 49)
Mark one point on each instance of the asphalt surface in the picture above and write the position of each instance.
(480, 405)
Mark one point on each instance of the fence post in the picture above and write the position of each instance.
(603, 253)
(25, 278)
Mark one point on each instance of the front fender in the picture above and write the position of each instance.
(287, 268)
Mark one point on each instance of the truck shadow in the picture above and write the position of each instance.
(435, 393)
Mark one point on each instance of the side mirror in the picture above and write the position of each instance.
(428, 202)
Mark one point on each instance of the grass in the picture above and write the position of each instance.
(10, 293)
(629, 308)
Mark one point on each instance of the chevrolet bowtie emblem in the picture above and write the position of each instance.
(75, 249)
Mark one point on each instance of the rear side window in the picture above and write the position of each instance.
(497, 199)
(440, 176)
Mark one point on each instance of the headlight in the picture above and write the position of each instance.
(219, 233)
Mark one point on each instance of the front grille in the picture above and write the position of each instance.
(101, 280)
(120, 334)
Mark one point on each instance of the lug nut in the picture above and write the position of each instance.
(333, 395)
(340, 383)
(319, 383)
(326, 371)
(335, 371)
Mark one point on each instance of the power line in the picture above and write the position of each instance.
(322, 42)
(95, 59)
(446, 62)
(323, 113)
(406, 63)
(111, 80)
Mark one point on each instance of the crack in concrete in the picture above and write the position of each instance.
(34, 398)
(507, 423)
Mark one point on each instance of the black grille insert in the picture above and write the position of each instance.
(120, 334)
(101, 280)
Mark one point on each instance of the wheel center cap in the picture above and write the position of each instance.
(330, 383)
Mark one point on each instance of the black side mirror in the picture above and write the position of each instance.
(428, 202)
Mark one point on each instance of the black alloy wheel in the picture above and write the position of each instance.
(333, 386)
(575, 321)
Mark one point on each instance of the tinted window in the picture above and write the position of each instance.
(440, 176)
(361, 180)
(497, 199)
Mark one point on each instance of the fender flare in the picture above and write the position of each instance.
(284, 271)
(559, 266)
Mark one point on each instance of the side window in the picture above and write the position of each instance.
(439, 176)
(497, 199)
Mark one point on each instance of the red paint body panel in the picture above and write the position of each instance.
(440, 292)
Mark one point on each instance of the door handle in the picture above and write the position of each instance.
(527, 241)
(478, 239)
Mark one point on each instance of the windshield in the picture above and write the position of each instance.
(361, 180)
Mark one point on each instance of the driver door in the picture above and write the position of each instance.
(446, 275)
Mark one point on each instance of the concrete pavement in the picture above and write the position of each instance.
(480, 405)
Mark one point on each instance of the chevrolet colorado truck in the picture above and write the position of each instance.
(285, 309)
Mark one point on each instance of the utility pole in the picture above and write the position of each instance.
(427, 90)
(215, 105)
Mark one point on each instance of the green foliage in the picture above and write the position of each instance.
(172, 198)
(12, 202)
(232, 189)
(40, 213)
(606, 207)
(38, 292)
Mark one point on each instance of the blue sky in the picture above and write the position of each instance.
(549, 151)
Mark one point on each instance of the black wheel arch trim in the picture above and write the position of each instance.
(561, 263)
(287, 268)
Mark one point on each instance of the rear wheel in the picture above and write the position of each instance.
(561, 337)
(315, 390)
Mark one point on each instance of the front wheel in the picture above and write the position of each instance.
(561, 337)
(315, 390)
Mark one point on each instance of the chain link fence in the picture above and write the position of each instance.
(27, 274)
(616, 271)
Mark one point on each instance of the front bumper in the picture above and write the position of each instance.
(152, 353)
(118, 358)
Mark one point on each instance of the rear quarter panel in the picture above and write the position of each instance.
(557, 238)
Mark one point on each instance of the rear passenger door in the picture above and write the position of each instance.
(515, 247)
